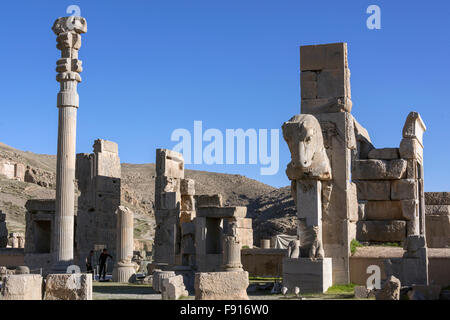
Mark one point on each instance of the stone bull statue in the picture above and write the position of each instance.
(309, 161)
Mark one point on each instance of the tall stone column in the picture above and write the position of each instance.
(68, 31)
(124, 268)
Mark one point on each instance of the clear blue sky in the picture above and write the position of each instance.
(151, 67)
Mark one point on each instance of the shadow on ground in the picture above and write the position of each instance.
(114, 288)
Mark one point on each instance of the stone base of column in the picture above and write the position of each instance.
(123, 272)
(311, 276)
(229, 267)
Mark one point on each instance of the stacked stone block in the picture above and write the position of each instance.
(326, 94)
(325, 79)
(437, 219)
(389, 185)
(169, 174)
(99, 182)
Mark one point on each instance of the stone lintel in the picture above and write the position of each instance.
(222, 212)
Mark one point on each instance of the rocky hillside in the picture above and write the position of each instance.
(272, 209)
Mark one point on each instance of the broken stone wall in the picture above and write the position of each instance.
(98, 175)
(437, 219)
(390, 188)
(169, 174)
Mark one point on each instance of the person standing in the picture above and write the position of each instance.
(102, 261)
(89, 261)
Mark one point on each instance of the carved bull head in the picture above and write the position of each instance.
(303, 135)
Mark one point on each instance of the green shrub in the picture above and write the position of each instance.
(353, 245)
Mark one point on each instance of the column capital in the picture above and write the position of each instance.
(71, 24)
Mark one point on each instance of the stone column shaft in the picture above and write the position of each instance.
(124, 268)
(68, 30)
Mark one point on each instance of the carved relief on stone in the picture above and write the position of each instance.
(316, 250)
(294, 249)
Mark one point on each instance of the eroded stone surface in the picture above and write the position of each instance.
(22, 287)
(75, 286)
(390, 290)
(221, 285)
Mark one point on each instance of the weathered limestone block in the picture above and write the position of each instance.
(373, 190)
(381, 231)
(333, 83)
(311, 276)
(204, 200)
(390, 290)
(22, 287)
(437, 198)
(222, 212)
(326, 105)
(414, 127)
(173, 288)
(325, 79)
(308, 80)
(438, 231)
(187, 203)
(169, 200)
(325, 56)
(187, 187)
(411, 149)
(384, 154)
(159, 276)
(437, 210)
(221, 285)
(363, 141)
(404, 189)
(169, 163)
(74, 286)
(101, 145)
(378, 169)
(410, 209)
(383, 210)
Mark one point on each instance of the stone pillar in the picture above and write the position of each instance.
(124, 268)
(232, 250)
(68, 30)
(309, 209)
(3, 231)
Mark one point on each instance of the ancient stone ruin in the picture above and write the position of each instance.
(194, 233)
(344, 188)
(346, 193)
